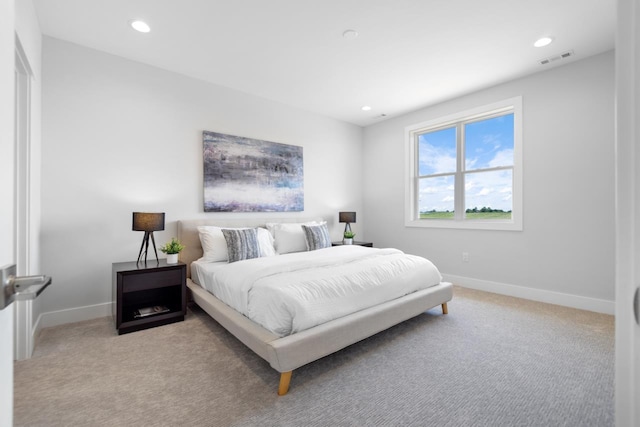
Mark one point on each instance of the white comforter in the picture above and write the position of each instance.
(293, 292)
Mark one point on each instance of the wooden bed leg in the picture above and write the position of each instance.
(445, 310)
(285, 379)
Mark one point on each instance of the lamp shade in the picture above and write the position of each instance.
(347, 216)
(145, 221)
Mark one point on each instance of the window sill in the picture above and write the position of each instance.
(468, 224)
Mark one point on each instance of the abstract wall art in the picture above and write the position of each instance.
(251, 175)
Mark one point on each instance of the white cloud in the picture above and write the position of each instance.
(429, 190)
(436, 160)
(489, 189)
(502, 158)
(492, 138)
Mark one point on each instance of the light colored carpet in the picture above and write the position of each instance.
(493, 361)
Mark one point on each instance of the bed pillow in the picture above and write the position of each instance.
(265, 242)
(214, 245)
(316, 236)
(241, 244)
(289, 237)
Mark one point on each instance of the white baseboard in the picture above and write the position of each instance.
(71, 315)
(551, 297)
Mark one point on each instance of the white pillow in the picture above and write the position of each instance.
(289, 237)
(214, 245)
(265, 242)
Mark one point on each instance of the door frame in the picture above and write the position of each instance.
(7, 175)
(627, 208)
(22, 219)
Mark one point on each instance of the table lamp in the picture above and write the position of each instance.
(347, 217)
(148, 222)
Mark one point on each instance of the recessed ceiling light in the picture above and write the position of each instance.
(350, 34)
(543, 41)
(141, 26)
(366, 108)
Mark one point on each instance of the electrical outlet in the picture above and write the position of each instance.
(465, 256)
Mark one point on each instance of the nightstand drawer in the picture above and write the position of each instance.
(159, 279)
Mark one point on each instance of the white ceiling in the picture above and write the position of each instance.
(409, 53)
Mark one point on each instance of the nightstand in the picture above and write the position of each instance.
(150, 284)
(355, 242)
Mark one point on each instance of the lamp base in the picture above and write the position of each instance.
(347, 228)
(145, 246)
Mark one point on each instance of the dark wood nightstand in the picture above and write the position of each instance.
(355, 242)
(150, 284)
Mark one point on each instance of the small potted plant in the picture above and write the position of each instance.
(172, 249)
(348, 237)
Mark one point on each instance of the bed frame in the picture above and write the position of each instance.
(285, 354)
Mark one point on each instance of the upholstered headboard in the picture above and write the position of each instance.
(188, 233)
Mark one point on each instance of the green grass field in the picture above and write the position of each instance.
(468, 215)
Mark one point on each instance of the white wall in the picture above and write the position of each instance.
(120, 136)
(565, 254)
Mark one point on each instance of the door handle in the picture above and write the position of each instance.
(10, 284)
(636, 305)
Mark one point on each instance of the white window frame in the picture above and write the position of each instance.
(412, 216)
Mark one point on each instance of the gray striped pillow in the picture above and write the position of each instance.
(316, 236)
(241, 244)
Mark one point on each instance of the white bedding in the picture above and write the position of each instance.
(293, 292)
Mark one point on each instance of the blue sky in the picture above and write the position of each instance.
(488, 144)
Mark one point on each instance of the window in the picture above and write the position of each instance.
(465, 170)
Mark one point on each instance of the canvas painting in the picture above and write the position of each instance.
(251, 175)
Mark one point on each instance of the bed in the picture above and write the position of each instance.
(287, 352)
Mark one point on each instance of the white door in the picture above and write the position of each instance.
(627, 212)
(7, 200)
